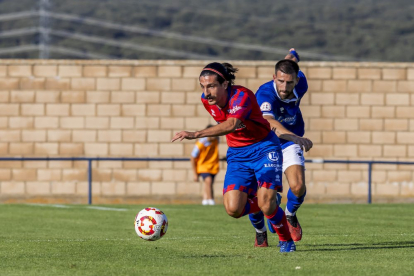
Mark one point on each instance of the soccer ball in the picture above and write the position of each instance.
(151, 224)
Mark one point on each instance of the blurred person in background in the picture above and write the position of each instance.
(205, 163)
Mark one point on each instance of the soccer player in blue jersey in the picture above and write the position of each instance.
(254, 157)
(279, 101)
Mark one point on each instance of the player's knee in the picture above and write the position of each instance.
(298, 188)
(234, 210)
(268, 206)
(233, 213)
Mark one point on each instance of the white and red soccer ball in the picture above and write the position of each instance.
(151, 224)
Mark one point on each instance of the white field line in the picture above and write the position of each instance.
(87, 207)
(49, 205)
(106, 208)
(67, 240)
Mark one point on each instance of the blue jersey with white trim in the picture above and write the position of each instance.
(287, 112)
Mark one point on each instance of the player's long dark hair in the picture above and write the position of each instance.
(223, 72)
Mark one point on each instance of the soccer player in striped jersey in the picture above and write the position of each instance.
(205, 163)
(254, 157)
(279, 101)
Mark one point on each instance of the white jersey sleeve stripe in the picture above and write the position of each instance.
(205, 141)
(196, 152)
(268, 114)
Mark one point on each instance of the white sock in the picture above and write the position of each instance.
(287, 213)
(211, 201)
(261, 230)
(204, 202)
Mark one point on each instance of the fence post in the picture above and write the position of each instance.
(90, 181)
(369, 182)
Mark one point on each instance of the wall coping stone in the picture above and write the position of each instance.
(202, 62)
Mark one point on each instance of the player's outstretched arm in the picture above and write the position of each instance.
(218, 130)
(277, 127)
(285, 134)
(184, 135)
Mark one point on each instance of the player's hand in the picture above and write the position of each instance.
(195, 178)
(304, 143)
(184, 135)
(290, 56)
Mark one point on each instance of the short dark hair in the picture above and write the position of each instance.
(287, 66)
(223, 72)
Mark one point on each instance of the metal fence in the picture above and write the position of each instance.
(370, 163)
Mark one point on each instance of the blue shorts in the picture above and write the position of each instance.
(254, 166)
(205, 175)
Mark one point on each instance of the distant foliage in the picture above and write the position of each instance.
(369, 30)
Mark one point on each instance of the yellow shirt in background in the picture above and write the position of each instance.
(206, 153)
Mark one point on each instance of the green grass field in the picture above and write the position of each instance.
(203, 240)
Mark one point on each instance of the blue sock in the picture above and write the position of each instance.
(257, 220)
(294, 202)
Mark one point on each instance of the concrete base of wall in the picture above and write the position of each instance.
(187, 200)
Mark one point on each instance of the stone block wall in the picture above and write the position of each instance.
(66, 108)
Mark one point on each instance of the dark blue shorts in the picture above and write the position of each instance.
(205, 175)
(254, 166)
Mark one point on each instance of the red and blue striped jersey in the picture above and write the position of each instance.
(242, 104)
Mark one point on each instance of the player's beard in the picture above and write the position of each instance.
(285, 94)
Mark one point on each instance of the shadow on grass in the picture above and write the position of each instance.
(360, 246)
